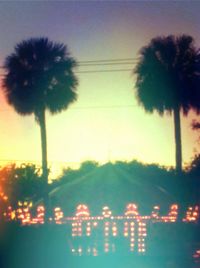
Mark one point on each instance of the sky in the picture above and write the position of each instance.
(106, 123)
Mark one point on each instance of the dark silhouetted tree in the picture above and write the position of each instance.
(40, 76)
(167, 80)
(69, 174)
(194, 167)
(23, 183)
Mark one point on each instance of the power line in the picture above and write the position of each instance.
(106, 63)
(109, 60)
(103, 62)
(18, 160)
(105, 107)
(50, 162)
(95, 71)
(92, 107)
(104, 71)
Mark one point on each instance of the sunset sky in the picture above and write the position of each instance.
(106, 122)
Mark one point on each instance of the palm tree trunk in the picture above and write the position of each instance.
(42, 122)
(177, 132)
(44, 145)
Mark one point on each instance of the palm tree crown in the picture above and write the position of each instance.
(166, 74)
(167, 79)
(40, 76)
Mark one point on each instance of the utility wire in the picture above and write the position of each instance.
(50, 162)
(104, 71)
(103, 62)
(106, 63)
(92, 107)
(18, 160)
(108, 60)
(105, 107)
(95, 71)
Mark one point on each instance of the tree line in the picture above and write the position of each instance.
(24, 184)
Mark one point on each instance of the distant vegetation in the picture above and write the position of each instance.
(25, 183)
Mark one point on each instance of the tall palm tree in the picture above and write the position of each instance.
(167, 80)
(40, 77)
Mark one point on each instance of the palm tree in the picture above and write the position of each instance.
(167, 74)
(40, 77)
